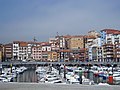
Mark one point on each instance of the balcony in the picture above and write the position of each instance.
(109, 52)
(108, 56)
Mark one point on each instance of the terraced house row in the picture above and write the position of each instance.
(103, 46)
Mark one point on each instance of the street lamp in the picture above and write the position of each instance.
(80, 76)
(64, 71)
(112, 69)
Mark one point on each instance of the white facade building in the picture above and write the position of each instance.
(15, 50)
(46, 48)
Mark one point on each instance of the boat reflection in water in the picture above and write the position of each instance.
(28, 76)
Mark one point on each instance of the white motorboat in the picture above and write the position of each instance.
(116, 77)
(21, 70)
(51, 77)
(40, 70)
(73, 80)
(3, 79)
(103, 84)
(116, 73)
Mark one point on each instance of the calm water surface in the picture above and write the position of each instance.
(27, 76)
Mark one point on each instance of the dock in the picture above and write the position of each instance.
(38, 86)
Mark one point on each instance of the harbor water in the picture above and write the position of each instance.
(31, 76)
(27, 76)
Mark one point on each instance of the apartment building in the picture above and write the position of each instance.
(76, 42)
(89, 41)
(100, 54)
(110, 36)
(46, 49)
(83, 54)
(45, 56)
(1, 52)
(117, 52)
(116, 37)
(94, 46)
(54, 44)
(23, 50)
(64, 55)
(46, 46)
(20, 50)
(16, 50)
(91, 45)
(93, 33)
(30, 45)
(61, 41)
(53, 56)
(8, 51)
(108, 53)
(110, 40)
(37, 53)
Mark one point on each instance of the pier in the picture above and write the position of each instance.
(33, 63)
(37, 86)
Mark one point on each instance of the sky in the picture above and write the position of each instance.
(25, 19)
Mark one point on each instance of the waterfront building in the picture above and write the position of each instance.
(110, 36)
(84, 54)
(37, 53)
(77, 55)
(110, 40)
(54, 44)
(89, 42)
(20, 50)
(30, 45)
(67, 41)
(116, 37)
(46, 49)
(8, 51)
(23, 51)
(91, 47)
(94, 46)
(61, 41)
(1, 52)
(45, 55)
(93, 33)
(15, 50)
(46, 46)
(76, 42)
(117, 52)
(52, 56)
(108, 52)
(64, 55)
(99, 49)
(100, 54)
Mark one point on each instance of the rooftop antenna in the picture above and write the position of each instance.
(57, 34)
(34, 39)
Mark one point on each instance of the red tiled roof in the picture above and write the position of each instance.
(78, 36)
(89, 37)
(23, 44)
(66, 50)
(74, 36)
(111, 31)
(117, 32)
